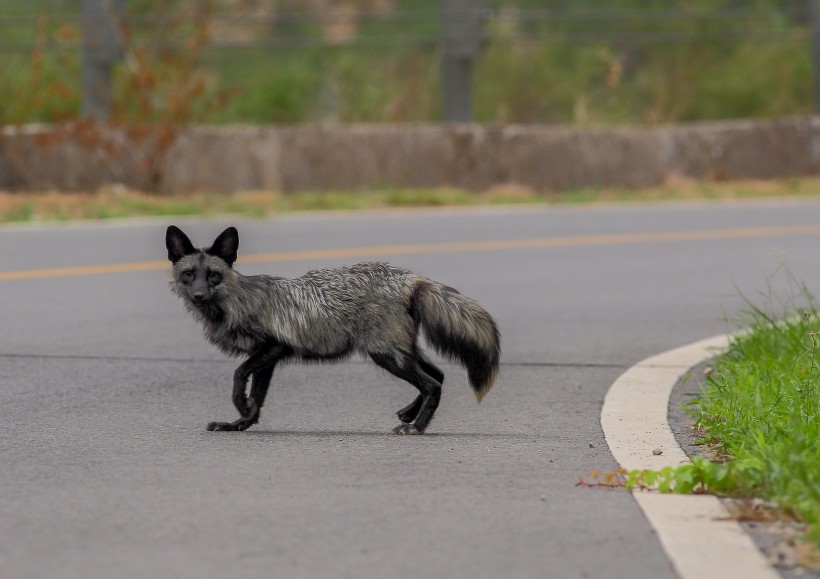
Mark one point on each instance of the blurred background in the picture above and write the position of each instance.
(580, 62)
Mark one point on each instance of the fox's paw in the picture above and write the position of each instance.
(407, 429)
(409, 413)
(214, 426)
(407, 416)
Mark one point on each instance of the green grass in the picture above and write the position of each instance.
(761, 404)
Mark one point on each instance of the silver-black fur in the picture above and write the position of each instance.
(373, 309)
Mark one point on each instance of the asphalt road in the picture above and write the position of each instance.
(106, 385)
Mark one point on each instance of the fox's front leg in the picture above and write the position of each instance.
(261, 366)
(247, 407)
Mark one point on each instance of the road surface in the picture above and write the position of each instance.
(106, 386)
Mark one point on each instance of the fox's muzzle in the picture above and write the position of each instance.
(199, 292)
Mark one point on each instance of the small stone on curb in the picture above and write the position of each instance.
(657, 451)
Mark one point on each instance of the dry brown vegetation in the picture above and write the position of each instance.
(118, 202)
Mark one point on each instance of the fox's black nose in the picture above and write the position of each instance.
(198, 297)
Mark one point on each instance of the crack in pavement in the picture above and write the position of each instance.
(103, 358)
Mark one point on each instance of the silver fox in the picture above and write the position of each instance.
(374, 309)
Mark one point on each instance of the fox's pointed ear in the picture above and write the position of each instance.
(225, 246)
(178, 244)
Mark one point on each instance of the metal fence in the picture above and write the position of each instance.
(457, 30)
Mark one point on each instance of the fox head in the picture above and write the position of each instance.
(201, 277)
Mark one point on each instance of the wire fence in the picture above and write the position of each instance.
(624, 40)
(421, 28)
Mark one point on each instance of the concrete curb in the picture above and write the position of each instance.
(695, 530)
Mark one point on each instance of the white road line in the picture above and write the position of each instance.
(694, 530)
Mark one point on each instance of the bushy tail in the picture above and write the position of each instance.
(460, 329)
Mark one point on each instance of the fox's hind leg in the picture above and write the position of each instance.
(431, 369)
(408, 413)
(408, 367)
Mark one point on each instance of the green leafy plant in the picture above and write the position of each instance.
(735, 478)
(738, 478)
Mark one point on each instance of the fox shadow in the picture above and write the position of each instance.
(375, 434)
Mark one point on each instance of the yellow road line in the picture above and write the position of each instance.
(82, 270)
(420, 248)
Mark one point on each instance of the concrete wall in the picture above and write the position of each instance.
(236, 158)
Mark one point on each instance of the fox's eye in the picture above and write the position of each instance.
(186, 276)
(214, 278)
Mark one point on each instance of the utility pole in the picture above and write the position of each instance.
(102, 47)
(814, 27)
(462, 35)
